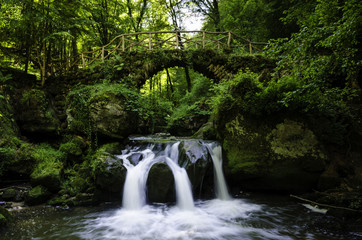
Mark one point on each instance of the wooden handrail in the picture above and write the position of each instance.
(174, 39)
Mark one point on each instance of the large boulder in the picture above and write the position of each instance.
(284, 156)
(196, 159)
(108, 171)
(160, 184)
(34, 112)
(47, 172)
(37, 195)
(103, 110)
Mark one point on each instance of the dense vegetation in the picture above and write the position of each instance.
(316, 46)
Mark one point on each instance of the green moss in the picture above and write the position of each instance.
(241, 159)
(71, 148)
(34, 97)
(3, 220)
(37, 195)
(5, 213)
(291, 139)
(7, 155)
(48, 168)
(78, 179)
(112, 148)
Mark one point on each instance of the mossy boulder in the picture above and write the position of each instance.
(37, 195)
(34, 112)
(206, 132)
(5, 216)
(160, 184)
(284, 156)
(102, 109)
(195, 158)
(74, 148)
(48, 169)
(108, 171)
(17, 161)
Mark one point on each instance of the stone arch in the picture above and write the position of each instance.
(216, 65)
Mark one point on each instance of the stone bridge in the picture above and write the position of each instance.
(139, 56)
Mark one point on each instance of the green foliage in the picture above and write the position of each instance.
(71, 148)
(238, 92)
(49, 161)
(77, 179)
(191, 106)
(80, 99)
(7, 155)
(326, 108)
(326, 48)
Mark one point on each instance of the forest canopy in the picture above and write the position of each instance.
(313, 40)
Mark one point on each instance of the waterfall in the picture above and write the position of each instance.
(134, 193)
(220, 184)
(138, 163)
(184, 197)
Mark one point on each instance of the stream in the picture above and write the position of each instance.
(225, 217)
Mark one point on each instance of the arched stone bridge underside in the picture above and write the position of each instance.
(140, 66)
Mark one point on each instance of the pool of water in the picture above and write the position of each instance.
(252, 217)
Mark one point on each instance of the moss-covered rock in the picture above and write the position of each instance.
(17, 160)
(73, 149)
(285, 156)
(37, 195)
(206, 132)
(34, 113)
(48, 169)
(5, 216)
(102, 109)
(108, 171)
(160, 184)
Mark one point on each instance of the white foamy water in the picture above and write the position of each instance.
(134, 193)
(213, 219)
(217, 219)
(220, 183)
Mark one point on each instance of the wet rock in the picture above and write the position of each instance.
(48, 169)
(285, 156)
(8, 194)
(109, 172)
(5, 216)
(161, 184)
(195, 158)
(37, 195)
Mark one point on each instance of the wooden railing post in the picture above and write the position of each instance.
(229, 39)
(150, 41)
(177, 42)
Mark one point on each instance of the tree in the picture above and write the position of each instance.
(210, 9)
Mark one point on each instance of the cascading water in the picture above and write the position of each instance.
(134, 193)
(216, 156)
(210, 219)
(224, 218)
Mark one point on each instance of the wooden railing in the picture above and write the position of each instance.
(149, 41)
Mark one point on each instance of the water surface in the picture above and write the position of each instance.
(253, 217)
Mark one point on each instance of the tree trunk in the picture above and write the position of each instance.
(188, 79)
